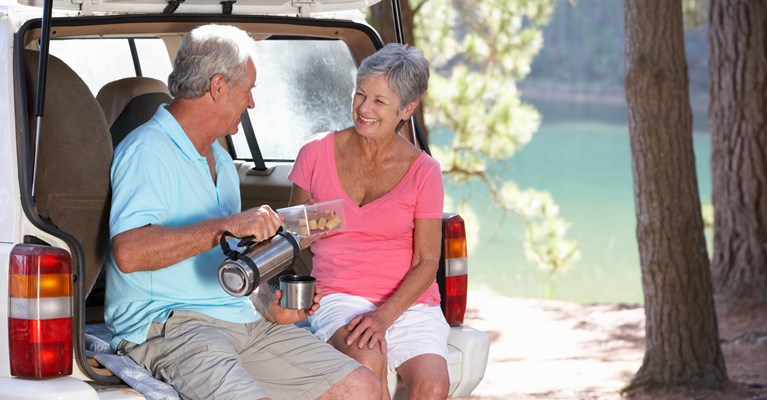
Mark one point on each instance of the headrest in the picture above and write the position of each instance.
(114, 96)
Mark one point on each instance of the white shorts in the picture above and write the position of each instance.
(421, 329)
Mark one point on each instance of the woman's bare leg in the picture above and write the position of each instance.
(425, 377)
(373, 359)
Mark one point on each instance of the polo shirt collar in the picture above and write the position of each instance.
(176, 133)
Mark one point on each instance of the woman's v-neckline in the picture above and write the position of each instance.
(362, 208)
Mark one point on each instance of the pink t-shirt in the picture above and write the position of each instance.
(371, 257)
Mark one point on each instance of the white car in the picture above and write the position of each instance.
(106, 73)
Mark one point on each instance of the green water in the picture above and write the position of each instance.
(581, 156)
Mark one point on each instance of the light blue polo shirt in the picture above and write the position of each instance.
(159, 178)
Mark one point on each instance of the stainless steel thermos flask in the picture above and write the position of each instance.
(241, 272)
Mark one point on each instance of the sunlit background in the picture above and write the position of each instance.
(580, 155)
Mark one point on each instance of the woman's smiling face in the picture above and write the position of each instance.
(376, 107)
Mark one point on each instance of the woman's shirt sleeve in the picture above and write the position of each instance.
(305, 164)
(431, 192)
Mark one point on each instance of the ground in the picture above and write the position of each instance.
(558, 350)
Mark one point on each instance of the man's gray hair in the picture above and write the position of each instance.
(206, 51)
(405, 68)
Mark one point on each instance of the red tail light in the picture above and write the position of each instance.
(40, 317)
(456, 270)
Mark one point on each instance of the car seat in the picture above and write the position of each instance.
(72, 189)
(129, 102)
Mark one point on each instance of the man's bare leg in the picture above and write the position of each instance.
(360, 384)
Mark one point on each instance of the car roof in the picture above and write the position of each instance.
(304, 8)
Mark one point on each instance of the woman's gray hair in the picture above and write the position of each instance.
(206, 51)
(405, 68)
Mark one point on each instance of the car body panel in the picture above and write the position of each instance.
(5, 364)
(46, 389)
(8, 166)
(249, 7)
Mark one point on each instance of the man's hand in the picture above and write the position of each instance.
(284, 316)
(261, 223)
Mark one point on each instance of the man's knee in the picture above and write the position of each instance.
(359, 384)
(364, 381)
(367, 378)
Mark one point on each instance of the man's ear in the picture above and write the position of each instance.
(216, 86)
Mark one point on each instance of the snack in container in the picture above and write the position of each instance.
(310, 219)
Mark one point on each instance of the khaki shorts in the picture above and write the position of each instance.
(421, 329)
(206, 358)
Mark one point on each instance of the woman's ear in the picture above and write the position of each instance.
(410, 109)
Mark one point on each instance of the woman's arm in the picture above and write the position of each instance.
(299, 196)
(368, 329)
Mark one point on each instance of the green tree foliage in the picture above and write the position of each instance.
(584, 48)
(695, 12)
(479, 50)
(583, 51)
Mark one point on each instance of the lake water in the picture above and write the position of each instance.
(581, 156)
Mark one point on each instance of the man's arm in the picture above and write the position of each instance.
(153, 247)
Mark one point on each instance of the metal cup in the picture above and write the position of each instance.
(297, 291)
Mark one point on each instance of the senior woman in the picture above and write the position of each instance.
(381, 303)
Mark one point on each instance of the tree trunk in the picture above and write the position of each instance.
(737, 118)
(381, 18)
(682, 346)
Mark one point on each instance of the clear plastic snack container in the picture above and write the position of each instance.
(310, 219)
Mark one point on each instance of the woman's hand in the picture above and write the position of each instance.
(368, 329)
(284, 316)
(307, 240)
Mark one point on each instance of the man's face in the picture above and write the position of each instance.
(238, 98)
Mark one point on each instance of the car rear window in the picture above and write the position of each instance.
(100, 61)
(304, 87)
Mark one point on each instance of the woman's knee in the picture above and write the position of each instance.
(373, 359)
(426, 377)
(429, 388)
